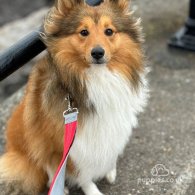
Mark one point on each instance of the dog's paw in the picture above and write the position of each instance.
(111, 176)
(66, 191)
(91, 189)
(95, 193)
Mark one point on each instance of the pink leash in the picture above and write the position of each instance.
(70, 115)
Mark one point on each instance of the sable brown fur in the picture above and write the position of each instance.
(35, 129)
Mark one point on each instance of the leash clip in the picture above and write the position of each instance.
(70, 108)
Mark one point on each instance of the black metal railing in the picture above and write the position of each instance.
(20, 53)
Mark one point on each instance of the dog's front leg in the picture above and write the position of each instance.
(51, 168)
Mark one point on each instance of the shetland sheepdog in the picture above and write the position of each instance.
(95, 55)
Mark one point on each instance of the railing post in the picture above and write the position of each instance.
(192, 9)
(185, 37)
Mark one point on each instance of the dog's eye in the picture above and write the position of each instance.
(84, 33)
(108, 32)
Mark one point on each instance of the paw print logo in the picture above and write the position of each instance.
(159, 170)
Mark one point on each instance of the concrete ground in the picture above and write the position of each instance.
(165, 137)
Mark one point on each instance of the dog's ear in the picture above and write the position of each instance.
(122, 4)
(58, 12)
(64, 6)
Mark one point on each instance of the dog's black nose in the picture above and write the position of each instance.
(97, 53)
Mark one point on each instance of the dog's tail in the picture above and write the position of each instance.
(18, 176)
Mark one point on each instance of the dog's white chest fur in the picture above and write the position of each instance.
(105, 132)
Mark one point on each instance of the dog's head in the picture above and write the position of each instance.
(79, 36)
